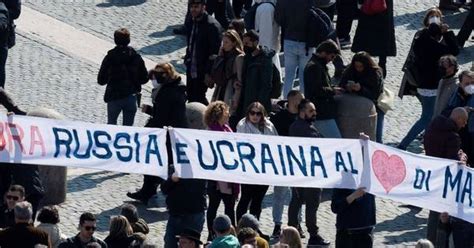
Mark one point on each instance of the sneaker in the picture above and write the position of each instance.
(345, 42)
(276, 231)
(318, 240)
(138, 196)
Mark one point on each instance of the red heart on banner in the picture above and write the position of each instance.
(389, 170)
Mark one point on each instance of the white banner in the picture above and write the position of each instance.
(267, 160)
(32, 140)
(432, 183)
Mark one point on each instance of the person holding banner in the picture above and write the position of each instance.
(282, 121)
(255, 122)
(169, 109)
(216, 118)
(303, 127)
(442, 140)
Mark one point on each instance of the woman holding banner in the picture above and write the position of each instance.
(216, 118)
(254, 122)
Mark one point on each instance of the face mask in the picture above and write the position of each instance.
(469, 89)
(155, 83)
(249, 50)
(434, 19)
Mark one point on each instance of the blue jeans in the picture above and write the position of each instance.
(328, 128)
(427, 109)
(379, 130)
(281, 196)
(296, 56)
(176, 225)
(128, 107)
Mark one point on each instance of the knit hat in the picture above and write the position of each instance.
(248, 220)
(221, 223)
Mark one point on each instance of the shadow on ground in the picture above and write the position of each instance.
(120, 3)
(90, 180)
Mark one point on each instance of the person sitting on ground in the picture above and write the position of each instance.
(87, 227)
(224, 238)
(121, 234)
(23, 233)
(250, 221)
(15, 194)
(49, 218)
(290, 236)
(248, 236)
(138, 224)
(189, 238)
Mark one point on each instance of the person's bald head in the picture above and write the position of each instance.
(460, 116)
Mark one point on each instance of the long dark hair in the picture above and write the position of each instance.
(366, 60)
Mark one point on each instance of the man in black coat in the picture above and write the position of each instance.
(186, 202)
(320, 91)
(204, 39)
(303, 127)
(15, 194)
(7, 37)
(442, 140)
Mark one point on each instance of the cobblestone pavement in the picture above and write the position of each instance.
(41, 75)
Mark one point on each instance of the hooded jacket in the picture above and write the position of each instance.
(442, 139)
(123, 71)
(257, 79)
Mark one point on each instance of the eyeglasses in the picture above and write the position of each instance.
(90, 228)
(255, 113)
(12, 197)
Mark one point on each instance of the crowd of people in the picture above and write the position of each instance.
(236, 53)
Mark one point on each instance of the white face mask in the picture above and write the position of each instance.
(434, 19)
(155, 83)
(469, 89)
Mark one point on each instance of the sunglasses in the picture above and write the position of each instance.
(90, 228)
(255, 113)
(12, 197)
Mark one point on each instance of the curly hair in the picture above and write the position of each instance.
(214, 112)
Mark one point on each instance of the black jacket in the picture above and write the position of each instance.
(375, 34)
(427, 54)
(23, 235)
(371, 82)
(14, 10)
(318, 88)
(442, 139)
(360, 213)
(282, 121)
(207, 43)
(75, 242)
(169, 107)
(257, 79)
(303, 128)
(123, 71)
(187, 196)
(293, 16)
(123, 242)
(7, 217)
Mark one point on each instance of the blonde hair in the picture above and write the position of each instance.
(234, 37)
(169, 69)
(119, 227)
(430, 12)
(214, 112)
(291, 237)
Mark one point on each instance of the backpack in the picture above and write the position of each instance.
(373, 7)
(249, 18)
(276, 83)
(319, 28)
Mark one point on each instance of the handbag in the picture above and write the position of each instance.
(373, 7)
(385, 100)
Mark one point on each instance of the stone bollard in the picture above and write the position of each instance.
(356, 114)
(54, 178)
(195, 115)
